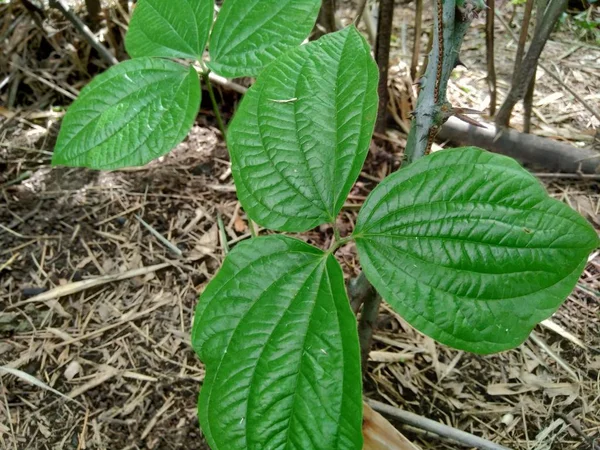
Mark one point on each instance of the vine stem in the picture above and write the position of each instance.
(361, 10)
(382, 57)
(252, 228)
(215, 105)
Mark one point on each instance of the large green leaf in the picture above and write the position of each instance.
(249, 34)
(302, 132)
(129, 115)
(468, 247)
(170, 29)
(279, 341)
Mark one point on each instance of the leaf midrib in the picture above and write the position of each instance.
(223, 286)
(472, 299)
(452, 337)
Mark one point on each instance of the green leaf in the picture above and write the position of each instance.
(249, 34)
(170, 29)
(469, 249)
(301, 135)
(279, 341)
(129, 115)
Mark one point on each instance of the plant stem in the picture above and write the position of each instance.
(251, 227)
(382, 56)
(337, 242)
(491, 63)
(215, 105)
(336, 233)
(361, 10)
(450, 27)
(451, 21)
(222, 234)
(556, 78)
(366, 325)
(362, 293)
(540, 6)
(522, 39)
(414, 66)
(523, 78)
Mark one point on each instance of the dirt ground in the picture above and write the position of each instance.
(120, 351)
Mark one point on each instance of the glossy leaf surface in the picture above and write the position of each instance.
(279, 341)
(249, 34)
(129, 115)
(302, 132)
(468, 247)
(170, 29)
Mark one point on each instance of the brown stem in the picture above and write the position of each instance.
(528, 105)
(359, 289)
(530, 149)
(414, 66)
(522, 39)
(382, 56)
(491, 64)
(365, 292)
(361, 9)
(554, 76)
(527, 70)
(540, 6)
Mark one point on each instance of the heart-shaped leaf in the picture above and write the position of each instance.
(469, 249)
(249, 34)
(129, 115)
(301, 135)
(170, 29)
(280, 344)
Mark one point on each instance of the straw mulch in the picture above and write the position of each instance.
(120, 351)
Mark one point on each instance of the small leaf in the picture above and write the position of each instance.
(301, 135)
(469, 249)
(129, 115)
(249, 34)
(170, 29)
(280, 344)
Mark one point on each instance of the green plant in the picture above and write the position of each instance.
(465, 244)
(141, 108)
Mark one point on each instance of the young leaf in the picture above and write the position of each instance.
(129, 115)
(249, 34)
(301, 135)
(280, 344)
(470, 249)
(170, 29)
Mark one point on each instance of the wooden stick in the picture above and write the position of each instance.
(83, 29)
(442, 430)
(78, 286)
(527, 148)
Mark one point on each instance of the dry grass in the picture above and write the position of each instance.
(121, 350)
